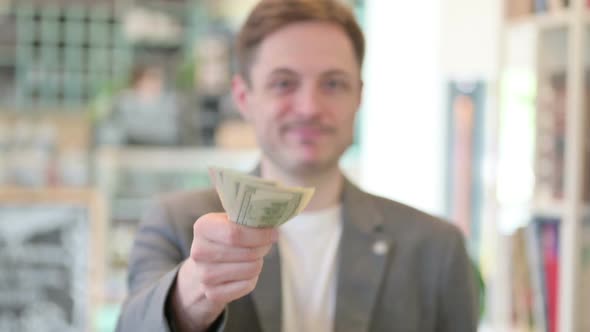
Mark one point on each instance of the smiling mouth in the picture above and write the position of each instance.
(308, 130)
(312, 128)
(307, 134)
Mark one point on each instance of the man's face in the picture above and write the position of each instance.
(304, 92)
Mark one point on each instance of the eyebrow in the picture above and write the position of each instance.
(331, 72)
(282, 71)
(337, 72)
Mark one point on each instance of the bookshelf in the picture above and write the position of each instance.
(55, 229)
(542, 156)
(545, 20)
(62, 53)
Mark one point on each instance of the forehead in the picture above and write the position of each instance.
(306, 48)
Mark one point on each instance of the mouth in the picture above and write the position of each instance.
(307, 133)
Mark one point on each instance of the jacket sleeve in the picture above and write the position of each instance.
(458, 295)
(154, 263)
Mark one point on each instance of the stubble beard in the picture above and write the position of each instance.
(280, 158)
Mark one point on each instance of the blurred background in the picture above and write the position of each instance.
(474, 110)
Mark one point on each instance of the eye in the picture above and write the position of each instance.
(335, 84)
(282, 85)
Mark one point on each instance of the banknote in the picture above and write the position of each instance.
(228, 182)
(256, 202)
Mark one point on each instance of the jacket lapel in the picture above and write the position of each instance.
(364, 251)
(267, 294)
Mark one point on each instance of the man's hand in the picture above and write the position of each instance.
(224, 265)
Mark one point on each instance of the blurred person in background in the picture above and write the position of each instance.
(350, 262)
(147, 113)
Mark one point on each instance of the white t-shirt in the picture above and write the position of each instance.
(308, 245)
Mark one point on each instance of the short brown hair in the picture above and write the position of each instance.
(269, 16)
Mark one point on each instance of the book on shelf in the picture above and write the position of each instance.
(524, 8)
(557, 5)
(535, 275)
(550, 138)
(533, 244)
(541, 6)
(518, 8)
(586, 142)
(584, 280)
(550, 5)
(551, 123)
(522, 317)
(549, 238)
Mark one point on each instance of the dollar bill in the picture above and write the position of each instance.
(228, 182)
(257, 202)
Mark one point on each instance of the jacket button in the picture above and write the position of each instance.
(380, 247)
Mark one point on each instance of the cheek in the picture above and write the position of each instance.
(345, 116)
(266, 115)
(272, 115)
(280, 107)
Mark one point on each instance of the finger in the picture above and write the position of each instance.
(218, 228)
(221, 273)
(230, 291)
(203, 250)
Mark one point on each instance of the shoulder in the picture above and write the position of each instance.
(172, 215)
(190, 204)
(182, 206)
(419, 238)
(189, 200)
(411, 225)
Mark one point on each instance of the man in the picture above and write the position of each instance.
(350, 262)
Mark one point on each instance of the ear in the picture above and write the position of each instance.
(360, 96)
(240, 90)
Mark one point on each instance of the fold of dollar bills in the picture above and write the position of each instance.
(256, 202)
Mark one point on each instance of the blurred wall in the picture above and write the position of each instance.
(413, 48)
(470, 32)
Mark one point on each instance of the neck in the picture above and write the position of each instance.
(328, 184)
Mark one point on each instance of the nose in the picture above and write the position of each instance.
(309, 102)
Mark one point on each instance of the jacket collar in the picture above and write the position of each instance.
(363, 253)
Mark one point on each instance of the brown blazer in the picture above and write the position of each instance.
(400, 270)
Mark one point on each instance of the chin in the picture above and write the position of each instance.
(309, 166)
(303, 160)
